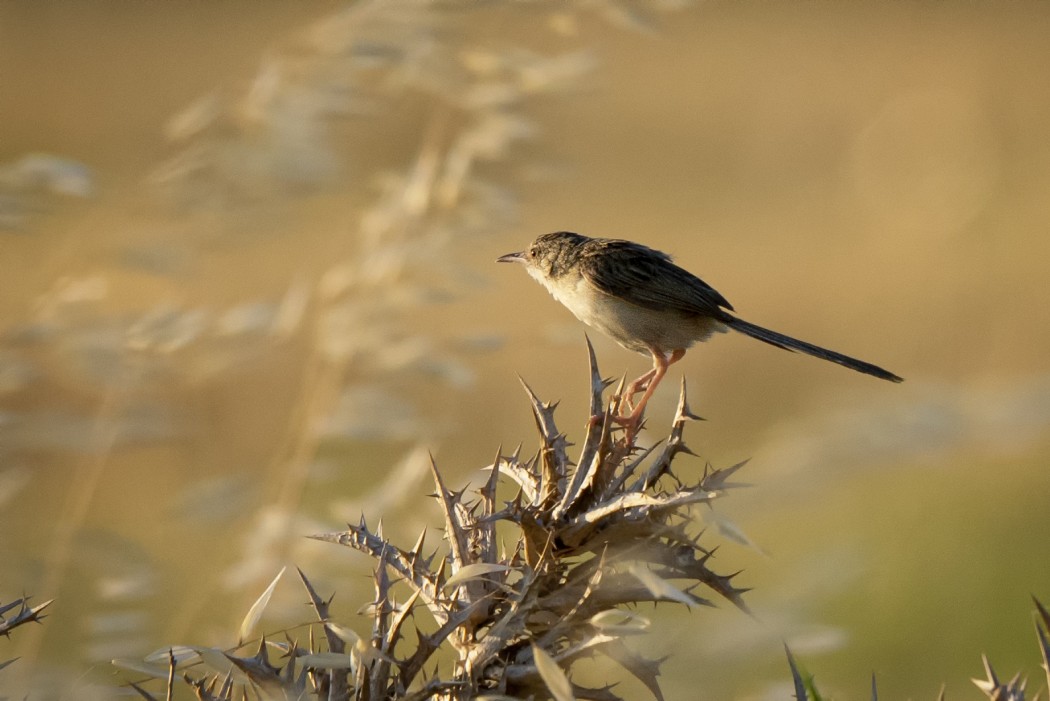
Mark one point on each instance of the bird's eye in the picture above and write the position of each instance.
(534, 251)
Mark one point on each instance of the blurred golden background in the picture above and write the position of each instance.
(247, 261)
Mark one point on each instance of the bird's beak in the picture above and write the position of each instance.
(518, 257)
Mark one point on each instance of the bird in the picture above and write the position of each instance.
(645, 302)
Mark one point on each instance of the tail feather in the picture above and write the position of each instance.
(793, 344)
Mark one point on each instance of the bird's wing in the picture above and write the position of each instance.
(648, 278)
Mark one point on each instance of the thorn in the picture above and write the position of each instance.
(796, 676)
(684, 413)
(528, 390)
(590, 350)
(683, 448)
(1043, 613)
(418, 547)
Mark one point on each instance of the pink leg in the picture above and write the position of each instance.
(637, 386)
(653, 377)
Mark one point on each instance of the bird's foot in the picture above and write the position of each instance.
(631, 423)
(625, 405)
(639, 385)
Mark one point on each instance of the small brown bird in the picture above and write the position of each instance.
(646, 303)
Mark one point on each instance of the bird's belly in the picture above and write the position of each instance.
(636, 328)
(645, 330)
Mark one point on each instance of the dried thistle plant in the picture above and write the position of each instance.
(522, 588)
(582, 540)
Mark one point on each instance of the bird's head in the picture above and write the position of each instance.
(550, 255)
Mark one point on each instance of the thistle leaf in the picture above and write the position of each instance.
(473, 571)
(553, 676)
(660, 587)
(257, 609)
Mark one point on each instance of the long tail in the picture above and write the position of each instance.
(793, 344)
